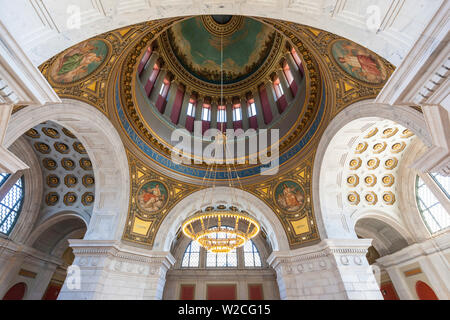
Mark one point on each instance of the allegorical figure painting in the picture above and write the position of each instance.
(359, 62)
(79, 61)
(290, 196)
(152, 196)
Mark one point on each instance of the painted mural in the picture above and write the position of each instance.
(79, 61)
(359, 62)
(199, 50)
(289, 196)
(152, 196)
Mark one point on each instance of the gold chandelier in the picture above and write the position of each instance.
(219, 230)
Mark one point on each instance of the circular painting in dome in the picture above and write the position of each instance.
(290, 196)
(152, 196)
(358, 62)
(197, 44)
(79, 61)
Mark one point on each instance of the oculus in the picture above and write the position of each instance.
(289, 196)
(51, 198)
(358, 62)
(61, 147)
(70, 180)
(78, 147)
(50, 132)
(85, 163)
(42, 147)
(52, 181)
(79, 61)
(70, 198)
(152, 196)
(68, 164)
(87, 198)
(49, 164)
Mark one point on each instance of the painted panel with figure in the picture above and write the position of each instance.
(152, 196)
(359, 62)
(289, 196)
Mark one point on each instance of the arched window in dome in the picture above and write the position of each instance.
(191, 108)
(191, 257)
(251, 109)
(144, 59)
(278, 88)
(221, 114)
(152, 79)
(251, 255)
(433, 200)
(289, 78)
(297, 60)
(11, 202)
(206, 112)
(237, 112)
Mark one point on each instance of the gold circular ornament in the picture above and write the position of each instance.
(406, 134)
(371, 133)
(371, 198)
(70, 198)
(373, 163)
(398, 147)
(51, 132)
(32, 133)
(61, 147)
(68, 133)
(68, 164)
(52, 181)
(370, 180)
(88, 180)
(361, 147)
(353, 180)
(87, 198)
(353, 198)
(391, 163)
(389, 132)
(51, 198)
(49, 164)
(379, 147)
(70, 180)
(355, 163)
(86, 164)
(78, 147)
(388, 198)
(42, 147)
(388, 180)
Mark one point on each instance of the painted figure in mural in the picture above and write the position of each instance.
(151, 198)
(79, 61)
(359, 62)
(290, 198)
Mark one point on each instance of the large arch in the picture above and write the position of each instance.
(49, 29)
(222, 195)
(107, 154)
(332, 151)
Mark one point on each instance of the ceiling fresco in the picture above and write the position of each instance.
(332, 84)
(197, 43)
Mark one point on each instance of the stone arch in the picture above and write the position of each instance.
(105, 150)
(222, 195)
(332, 150)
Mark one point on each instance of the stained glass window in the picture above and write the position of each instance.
(191, 257)
(251, 255)
(433, 212)
(10, 204)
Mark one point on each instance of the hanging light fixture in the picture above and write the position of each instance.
(216, 229)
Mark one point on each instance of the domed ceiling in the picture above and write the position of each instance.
(197, 44)
(331, 74)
